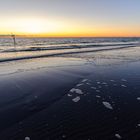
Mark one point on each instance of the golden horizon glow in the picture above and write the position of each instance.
(41, 27)
(70, 18)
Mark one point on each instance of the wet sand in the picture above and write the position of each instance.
(93, 97)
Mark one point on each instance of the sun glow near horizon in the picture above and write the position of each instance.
(28, 26)
(70, 18)
(61, 28)
(41, 27)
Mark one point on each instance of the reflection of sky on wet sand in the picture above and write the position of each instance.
(59, 52)
(111, 57)
(39, 63)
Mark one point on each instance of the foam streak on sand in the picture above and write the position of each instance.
(97, 90)
(77, 99)
(78, 85)
(118, 136)
(124, 86)
(112, 80)
(98, 96)
(124, 80)
(69, 95)
(27, 138)
(78, 91)
(84, 80)
(107, 105)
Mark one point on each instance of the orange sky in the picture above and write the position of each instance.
(64, 28)
(64, 18)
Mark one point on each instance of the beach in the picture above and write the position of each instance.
(70, 70)
(88, 95)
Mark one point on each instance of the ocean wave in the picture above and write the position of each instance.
(50, 53)
(62, 47)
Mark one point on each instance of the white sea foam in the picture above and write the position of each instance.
(78, 91)
(63, 136)
(77, 99)
(27, 138)
(118, 136)
(69, 95)
(88, 83)
(84, 80)
(138, 98)
(112, 80)
(107, 105)
(97, 90)
(124, 80)
(124, 86)
(78, 85)
(98, 96)
(46, 47)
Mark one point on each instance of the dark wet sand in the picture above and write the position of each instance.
(77, 101)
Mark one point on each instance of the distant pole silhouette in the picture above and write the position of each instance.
(14, 39)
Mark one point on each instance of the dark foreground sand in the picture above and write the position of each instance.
(96, 98)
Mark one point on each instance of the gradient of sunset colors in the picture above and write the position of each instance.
(70, 18)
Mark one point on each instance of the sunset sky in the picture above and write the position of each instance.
(70, 17)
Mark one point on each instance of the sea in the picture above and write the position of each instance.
(25, 48)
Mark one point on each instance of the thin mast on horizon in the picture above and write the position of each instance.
(14, 38)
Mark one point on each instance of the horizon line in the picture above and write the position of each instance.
(45, 36)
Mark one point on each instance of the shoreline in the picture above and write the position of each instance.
(32, 54)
